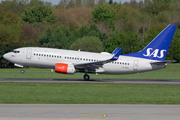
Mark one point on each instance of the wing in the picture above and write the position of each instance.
(98, 63)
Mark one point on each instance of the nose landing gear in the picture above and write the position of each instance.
(22, 71)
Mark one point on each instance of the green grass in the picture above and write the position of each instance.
(172, 71)
(73, 93)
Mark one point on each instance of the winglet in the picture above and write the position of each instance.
(116, 56)
(115, 51)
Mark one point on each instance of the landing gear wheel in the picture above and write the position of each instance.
(86, 77)
(22, 71)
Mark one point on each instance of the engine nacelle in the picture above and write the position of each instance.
(64, 68)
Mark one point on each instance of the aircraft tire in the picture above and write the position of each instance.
(86, 77)
(22, 71)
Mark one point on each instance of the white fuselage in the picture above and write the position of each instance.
(48, 57)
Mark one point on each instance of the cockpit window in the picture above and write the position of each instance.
(15, 51)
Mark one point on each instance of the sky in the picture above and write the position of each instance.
(54, 2)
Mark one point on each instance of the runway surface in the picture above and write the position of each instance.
(129, 81)
(88, 112)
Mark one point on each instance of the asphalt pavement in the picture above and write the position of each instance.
(89, 112)
(120, 81)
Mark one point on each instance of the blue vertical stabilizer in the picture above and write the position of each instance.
(158, 48)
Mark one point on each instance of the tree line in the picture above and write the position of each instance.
(89, 25)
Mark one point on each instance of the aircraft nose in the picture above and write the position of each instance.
(5, 56)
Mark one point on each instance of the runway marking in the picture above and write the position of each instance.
(100, 115)
(150, 116)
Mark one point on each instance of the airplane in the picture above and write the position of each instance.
(152, 57)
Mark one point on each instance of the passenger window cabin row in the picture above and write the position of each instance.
(81, 59)
(55, 56)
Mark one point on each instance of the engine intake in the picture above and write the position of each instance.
(64, 68)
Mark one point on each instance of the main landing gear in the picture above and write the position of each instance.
(86, 77)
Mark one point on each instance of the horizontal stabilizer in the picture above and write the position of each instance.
(163, 62)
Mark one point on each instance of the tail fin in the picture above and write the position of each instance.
(158, 48)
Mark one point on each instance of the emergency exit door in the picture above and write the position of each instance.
(28, 54)
(135, 65)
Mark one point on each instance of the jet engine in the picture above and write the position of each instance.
(64, 68)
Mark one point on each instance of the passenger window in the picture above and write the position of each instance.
(57, 56)
(86, 59)
(67, 57)
(117, 62)
(44, 55)
(60, 57)
(123, 63)
(34, 54)
(72, 58)
(77, 58)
